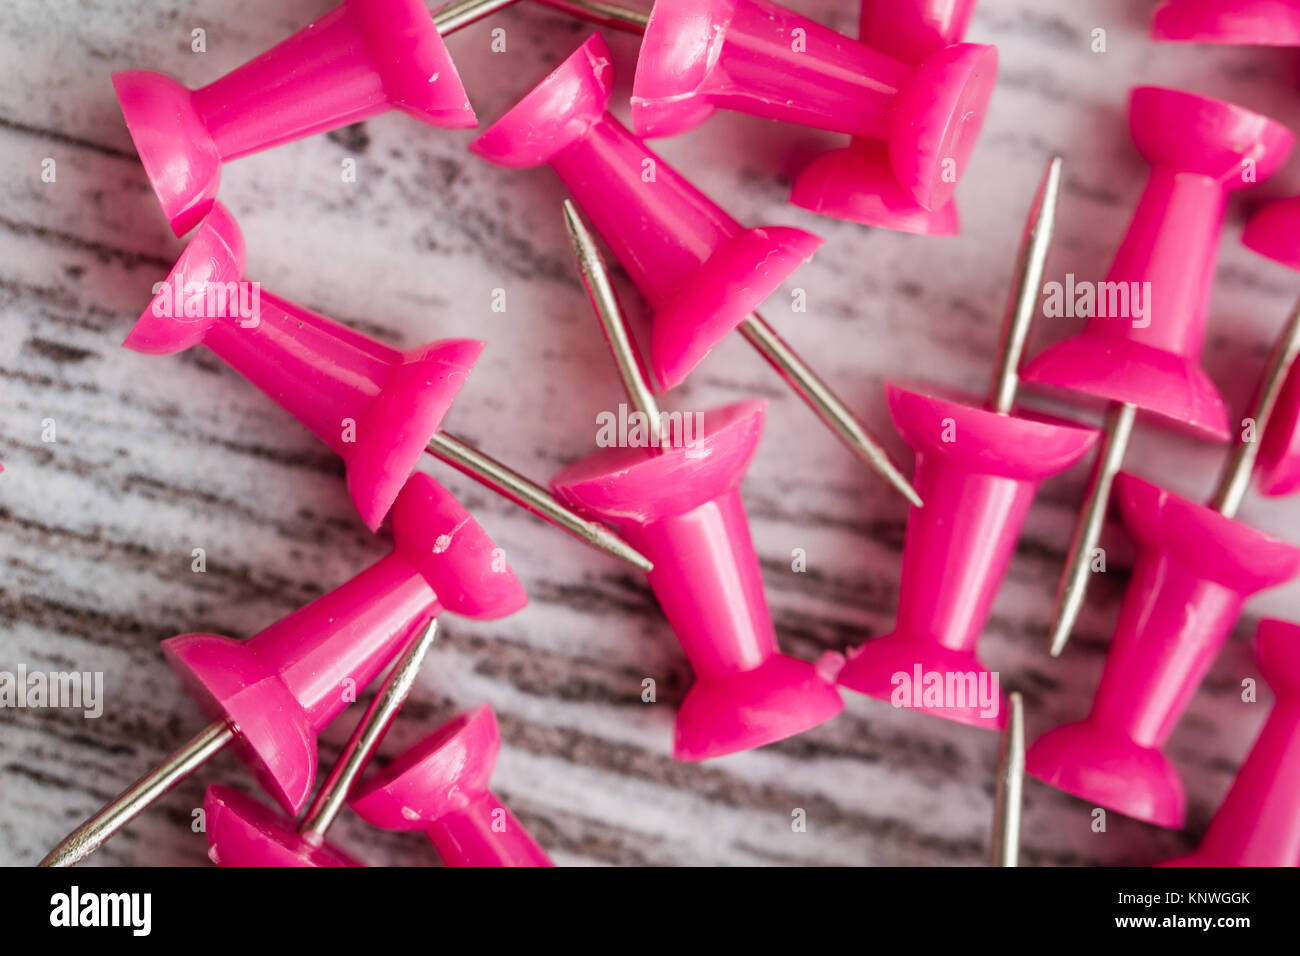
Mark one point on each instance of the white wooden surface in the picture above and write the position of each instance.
(157, 456)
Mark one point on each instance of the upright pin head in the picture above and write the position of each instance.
(440, 786)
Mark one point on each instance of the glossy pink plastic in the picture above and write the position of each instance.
(376, 406)
(440, 786)
(977, 472)
(283, 685)
(1245, 22)
(1199, 150)
(362, 58)
(681, 507)
(857, 182)
(244, 832)
(700, 270)
(1194, 570)
(1258, 823)
(758, 57)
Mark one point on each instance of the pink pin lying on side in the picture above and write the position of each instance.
(1195, 568)
(701, 271)
(761, 58)
(857, 182)
(1141, 346)
(363, 58)
(275, 691)
(978, 467)
(1258, 823)
(440, 786)
(678, 498)
(1245, 22)
(244, 832)
(377, 407)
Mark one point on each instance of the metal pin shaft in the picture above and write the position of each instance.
(818, 396)
(603, 14)
(1087, 530)
(529, 495)
(1030, 262)
(365, 739)
(462, 13)
(612, 321)
(1008, 800)
(92, 834)
(1241, 463)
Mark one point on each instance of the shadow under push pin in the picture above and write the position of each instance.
(1149, 358)
(1258, 823)
(978, 466)
(363, 58)
(701, 271)
(1195, 568)
(275, 691)
(378, 407)
(1243, 22)
(440, 786)
(244, 832)
(679, 500)
(857, 182)
(1009, 796)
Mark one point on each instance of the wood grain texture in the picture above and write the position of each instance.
(157, 456)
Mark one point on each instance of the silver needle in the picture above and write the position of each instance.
(1008, 800)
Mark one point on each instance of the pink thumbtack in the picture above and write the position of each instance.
(1195, 568)
(274, 692)
(679, 500)
(978, 468)
(1244, 22)
(379, 408)
(758, 57)
(440, 786)
(1275, 232)
(1142, 344)
(702, 272)
(1258, 823)
(244, 832)
(857, 182)
(362, 58)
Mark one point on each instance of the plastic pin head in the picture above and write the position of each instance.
(857, 182)
(1142, 345)
(283, 685)
(739, 54)
(362, 58)
(440, 786)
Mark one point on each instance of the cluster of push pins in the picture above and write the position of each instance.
(912, 96)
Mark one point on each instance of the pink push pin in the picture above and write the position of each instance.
(703, 273)
(678, 498)
(1243, 22)
(1195, 568)
(275, 691)
(1141, 349)
(760, 58)
(978, 467)
(362, 58)
(244, 832)
(857, 182)
(440, 786)
(378, 407)
(1258, 823)
(1275, 232)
